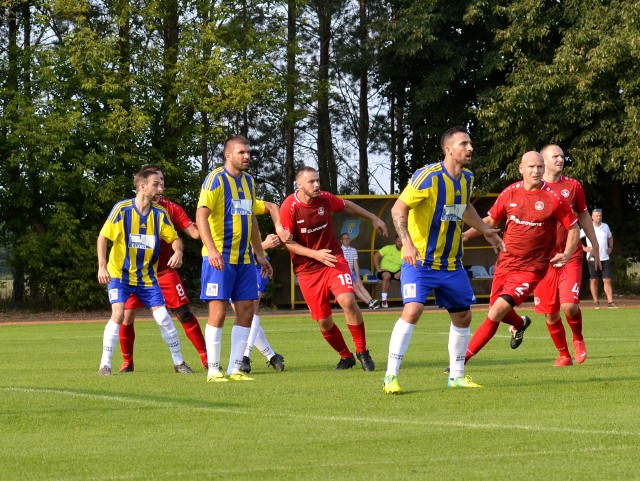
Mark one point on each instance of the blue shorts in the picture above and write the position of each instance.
(149, 296)
(452, 288)
(262, 281)
(235, 282)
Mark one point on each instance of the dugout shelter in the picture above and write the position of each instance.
(478, 258)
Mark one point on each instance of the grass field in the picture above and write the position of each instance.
(60, 421)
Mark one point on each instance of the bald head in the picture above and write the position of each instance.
(532, 169)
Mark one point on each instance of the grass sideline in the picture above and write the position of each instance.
(60, 421)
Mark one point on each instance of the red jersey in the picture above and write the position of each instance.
(571, 190)
(310, 225)
(532, 222)
(180, 220)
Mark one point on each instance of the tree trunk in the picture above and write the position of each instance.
(363, 103)
(291, 85)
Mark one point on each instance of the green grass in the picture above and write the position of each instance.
(60, 421)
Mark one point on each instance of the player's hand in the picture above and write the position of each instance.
(103, 275)
(410, 254)
(559, 259)
(380, 226)
(271, 241)
(326, 257)
(494, 240)
(175, 261)
(215, 260)
(266, 269)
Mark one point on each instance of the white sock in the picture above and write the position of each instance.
(263, 345)
(398, 345)
(109, 341)
(255, 327)
(458, 342)
(383, 296)
(213, 341)
(239, 336)
(169, 333)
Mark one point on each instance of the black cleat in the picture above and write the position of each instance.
(517, 335)
(374, 304)
(346, 363)
(183, 368)
(245, 365)
(277, 362)
(365, 359)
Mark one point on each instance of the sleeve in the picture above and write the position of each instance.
(286, 214)
(210, 192)
(580, 201)
(178, 216)
(259, 207)
(564, 213)
(335, 203)
(412, 196)
(497, 210)
(112, 228)
(167, 230)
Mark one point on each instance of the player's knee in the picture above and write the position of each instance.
(183, 313)
(508, 299)
(162, 317)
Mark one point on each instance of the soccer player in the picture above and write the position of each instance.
(230, 236)
(257, 336)
(532, 211)
(320, 265)
(175, 295)
(560, 288)
(136, 227)
(428, 217)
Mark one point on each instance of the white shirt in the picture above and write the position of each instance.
(603, 233)
(350, 253)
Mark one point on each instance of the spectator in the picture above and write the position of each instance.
(388, 263)
(605, 241)
(351, 256)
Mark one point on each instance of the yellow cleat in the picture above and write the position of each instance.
(463, 382)
(390, 385)
(240, 376)
(217, 377)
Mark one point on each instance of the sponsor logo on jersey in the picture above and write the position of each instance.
(241, 207)
(453, 213)
(141, 241)
(304, 230)
(212, 290)
(513, 218)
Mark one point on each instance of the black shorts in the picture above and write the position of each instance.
(393, 275)
(605, 273)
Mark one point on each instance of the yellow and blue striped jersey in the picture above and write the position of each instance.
(232, 202)
(437, 203)
(136, 242)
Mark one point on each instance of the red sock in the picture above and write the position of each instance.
(359, 337)
(483, 334)
(127, 338)
(575, 323)
(559, 338)
(513, 319)
(334, 337)
(194, 333)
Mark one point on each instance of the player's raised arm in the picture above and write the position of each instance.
(355, 209)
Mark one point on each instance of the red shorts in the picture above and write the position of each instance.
(317, 287)
(517, 284)
(561, 285)
(172, 288)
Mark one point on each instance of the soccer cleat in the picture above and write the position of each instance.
(563, 361)
(245, 364)
(385, 304)
(217, 377)
(276, 362)
(126, 367)
(390, 385)
(240, 376)
(203, 360)
(465, 382)
(182, 368)
(517, 335)
(104, 371)
(596, 305)
(346, 363)
(374, 304)
(612, 305)
(365, 359)
(579, 351)
(446, 370)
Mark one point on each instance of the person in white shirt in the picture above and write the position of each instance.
(351, 256)
(605, 240)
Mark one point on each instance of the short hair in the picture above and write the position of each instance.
(232, 139)
(596, 210)
(304, 169)
(142, 177)
(153, 167)
(446, 137)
